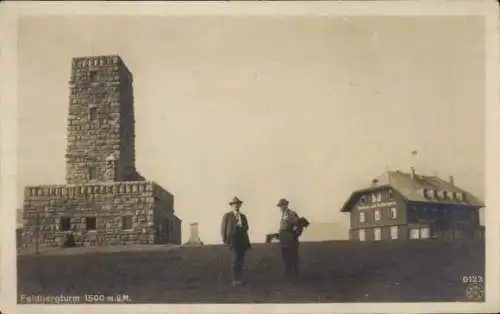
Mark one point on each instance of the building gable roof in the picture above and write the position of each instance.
(415, 188)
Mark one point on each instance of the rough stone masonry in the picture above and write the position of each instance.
(105, 200)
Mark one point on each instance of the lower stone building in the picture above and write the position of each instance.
(138, 212)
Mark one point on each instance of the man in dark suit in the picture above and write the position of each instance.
(289, 238)
(234, 231)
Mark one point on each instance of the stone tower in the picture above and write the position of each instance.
(105, 200)
(100, 141)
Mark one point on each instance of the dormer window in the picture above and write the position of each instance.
(438, 194)
(390, 195)
(374, 198)
(362, 199)
(460, 196)
(428, 193)
(441, 194)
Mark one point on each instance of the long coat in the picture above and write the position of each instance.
(288, 226)
(235, 240)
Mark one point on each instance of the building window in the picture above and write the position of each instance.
(474, 217)
(424, 233)
(65, 224)
(374, 198)
(394, 213)
(127, 222)
(379, 197)
(394, 232)
(377, 234)
(414, 233)
(92, 173)
(90, 223)
(361, 234)
(362, 217)
(93, 76)
(93, 113)
(377, 214)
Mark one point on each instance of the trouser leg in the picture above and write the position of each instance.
(234, 264)
(285, 254)
(241, 259)
(237, 264)
(294, 256)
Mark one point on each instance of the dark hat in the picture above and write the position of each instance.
(235, 200)
(282, 202)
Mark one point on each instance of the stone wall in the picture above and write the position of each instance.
(107, 202)
(169, 226)
(100, 120)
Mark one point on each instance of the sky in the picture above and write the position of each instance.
(306, 108)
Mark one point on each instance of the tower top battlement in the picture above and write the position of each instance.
(89, 65)
(96, 61)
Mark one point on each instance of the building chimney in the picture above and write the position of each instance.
(374, 182)
(452, 180)
(412, 174)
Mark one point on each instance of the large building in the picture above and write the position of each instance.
(105, 200)
(401, 206)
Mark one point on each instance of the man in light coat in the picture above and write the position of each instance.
(234, 232)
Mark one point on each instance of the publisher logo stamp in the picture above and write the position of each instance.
(474, 287)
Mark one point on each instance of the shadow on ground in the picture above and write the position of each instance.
(414, 271)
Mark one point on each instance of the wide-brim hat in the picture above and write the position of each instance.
(235, 200)
(282, 202)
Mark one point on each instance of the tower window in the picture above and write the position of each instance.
(65, 224)
(93, 113)
(92, 173)
(90, 223)
(127, 222)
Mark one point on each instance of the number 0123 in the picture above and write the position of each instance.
(472, 279)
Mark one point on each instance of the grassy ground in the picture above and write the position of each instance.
(331, 272)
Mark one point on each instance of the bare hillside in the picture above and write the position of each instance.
(331, 272)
